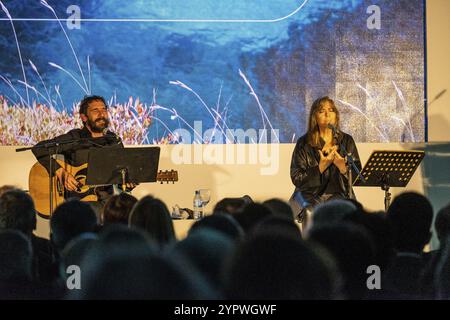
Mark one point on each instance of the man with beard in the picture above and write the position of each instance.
(75, 145)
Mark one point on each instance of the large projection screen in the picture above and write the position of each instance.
(204, 71)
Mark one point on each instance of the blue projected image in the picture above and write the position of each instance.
(163, 65)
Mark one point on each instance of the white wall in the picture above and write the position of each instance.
(438, 65)
(226, 180)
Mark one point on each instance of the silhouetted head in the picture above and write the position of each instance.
(117, 209)
(16, 256)
(333, 211)
(251, 215)
(7, 187)
(207, 249)
(381, 233)
(151, 215)
(17, 211)
(353, 250)
(442, 278)
(126, 264)
(279, 207)
(223, 223)
(120, 238)
(357, 204)
(74, 252)
(278, 224)
(231, 205)
(410, 215)
(442, 224)
(70, 219)
(275, 266)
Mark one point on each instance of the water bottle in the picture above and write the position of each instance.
(198, 205)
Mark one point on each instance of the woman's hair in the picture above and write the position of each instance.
(312, 136)
(151, 215)
(117, 209)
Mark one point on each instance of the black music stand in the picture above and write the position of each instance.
(122, 165)
(387, 169)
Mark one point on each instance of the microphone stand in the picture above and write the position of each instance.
(350, 163)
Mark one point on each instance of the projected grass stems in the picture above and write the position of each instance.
(89, 73)
(365, 116)
(224, 117)
(383, 125)
(217, 117)
(9, 83)
(86, 89)
(42, 115)
(184, 86)
(402, 99)
(220, 117)
(36, 92)
(70, 75)
(25, 125)
(175, 115)
(49, 99)
(384, 135)
(216, 112)
(29, 122)
(59, 96)
(18, 49)
(261, 109)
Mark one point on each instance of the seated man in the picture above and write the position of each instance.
(410, 215)
(17, 213)
(75, 145)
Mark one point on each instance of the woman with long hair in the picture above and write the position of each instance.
(152, 216)
(318, 166)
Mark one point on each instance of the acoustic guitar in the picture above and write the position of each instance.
(39, 186)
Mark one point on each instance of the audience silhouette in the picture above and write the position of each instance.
(243, 251)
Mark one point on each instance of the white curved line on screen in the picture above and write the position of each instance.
(169, 20)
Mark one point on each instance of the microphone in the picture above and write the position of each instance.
(110, 134)
(335, 131)
(330, 126)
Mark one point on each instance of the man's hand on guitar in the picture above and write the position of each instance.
(68, 180)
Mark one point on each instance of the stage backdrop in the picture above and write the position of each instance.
(163, 65)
